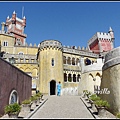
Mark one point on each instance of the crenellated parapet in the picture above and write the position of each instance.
(28, 46)
(77, 48)
(82, 51)
(100, 36)
(16, 58)
(50, 44)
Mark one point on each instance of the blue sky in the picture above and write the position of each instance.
(72, 23)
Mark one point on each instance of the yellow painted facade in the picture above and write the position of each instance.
(47, 63)
(37, 62)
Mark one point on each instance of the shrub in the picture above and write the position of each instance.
(32, 98)
(102, 103)
(94, 97)
(85, 91)
(118, 115)
(12, 108)
(38, 94)
(26, 101)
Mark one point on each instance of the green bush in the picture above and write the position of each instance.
(118, 115)
(38, 94)
(102, 103)
(94, 97)
(12, 108)
(85, 91)
(27, 101)
(32, 98)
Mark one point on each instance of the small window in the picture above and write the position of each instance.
(20, 53)
(5, 43)
(52, 61)
(12, 60)
(18, 41)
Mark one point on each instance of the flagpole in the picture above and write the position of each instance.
(22, 11)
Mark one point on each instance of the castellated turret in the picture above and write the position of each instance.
(101, 42)
(50, 65)
(16, 27)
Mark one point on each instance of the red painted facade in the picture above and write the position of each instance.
(105, 45)
(18, 32)
(94, 46)
(101, 45)
(11, 78)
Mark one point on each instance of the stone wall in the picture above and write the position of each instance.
(51, 66)
(91, 76)
(111, 79)
(13, 79)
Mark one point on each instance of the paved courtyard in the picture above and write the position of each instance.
(63, 107)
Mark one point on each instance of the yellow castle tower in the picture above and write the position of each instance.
(50, 65)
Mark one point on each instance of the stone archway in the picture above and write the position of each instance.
(52, 87)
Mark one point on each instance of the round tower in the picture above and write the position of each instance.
(111, 80)
(50, 66)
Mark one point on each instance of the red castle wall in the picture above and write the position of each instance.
(94, 46)
(11, 78)
(105, 45)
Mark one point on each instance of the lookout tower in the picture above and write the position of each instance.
(16, 27)
(50, 65)
(102, 42)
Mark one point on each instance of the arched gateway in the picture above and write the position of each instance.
(52, 87)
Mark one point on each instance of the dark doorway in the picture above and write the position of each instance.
(52, 87)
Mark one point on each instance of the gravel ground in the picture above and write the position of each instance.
(63, 107)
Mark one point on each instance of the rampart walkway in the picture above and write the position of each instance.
(63, 107)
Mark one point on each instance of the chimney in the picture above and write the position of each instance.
(3, 26)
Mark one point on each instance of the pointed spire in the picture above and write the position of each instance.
(14, 12)
(24, 17)
(8, 17)
(110, 29)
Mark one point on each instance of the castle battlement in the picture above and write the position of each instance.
(25, 58)
(77, 48)
(100, 36)
(5, 33)
(103, 35)
(80, 52)
(50, 43)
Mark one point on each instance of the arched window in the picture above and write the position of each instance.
(5, 43)
(20, 53)
(18, 41)
(65, 77)
(77, 62)
(64, 60)
(69, 61)
(73, 61)
(13, 97)
(78, 78)
(69, 78)
(52, 61)
(74, 77)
